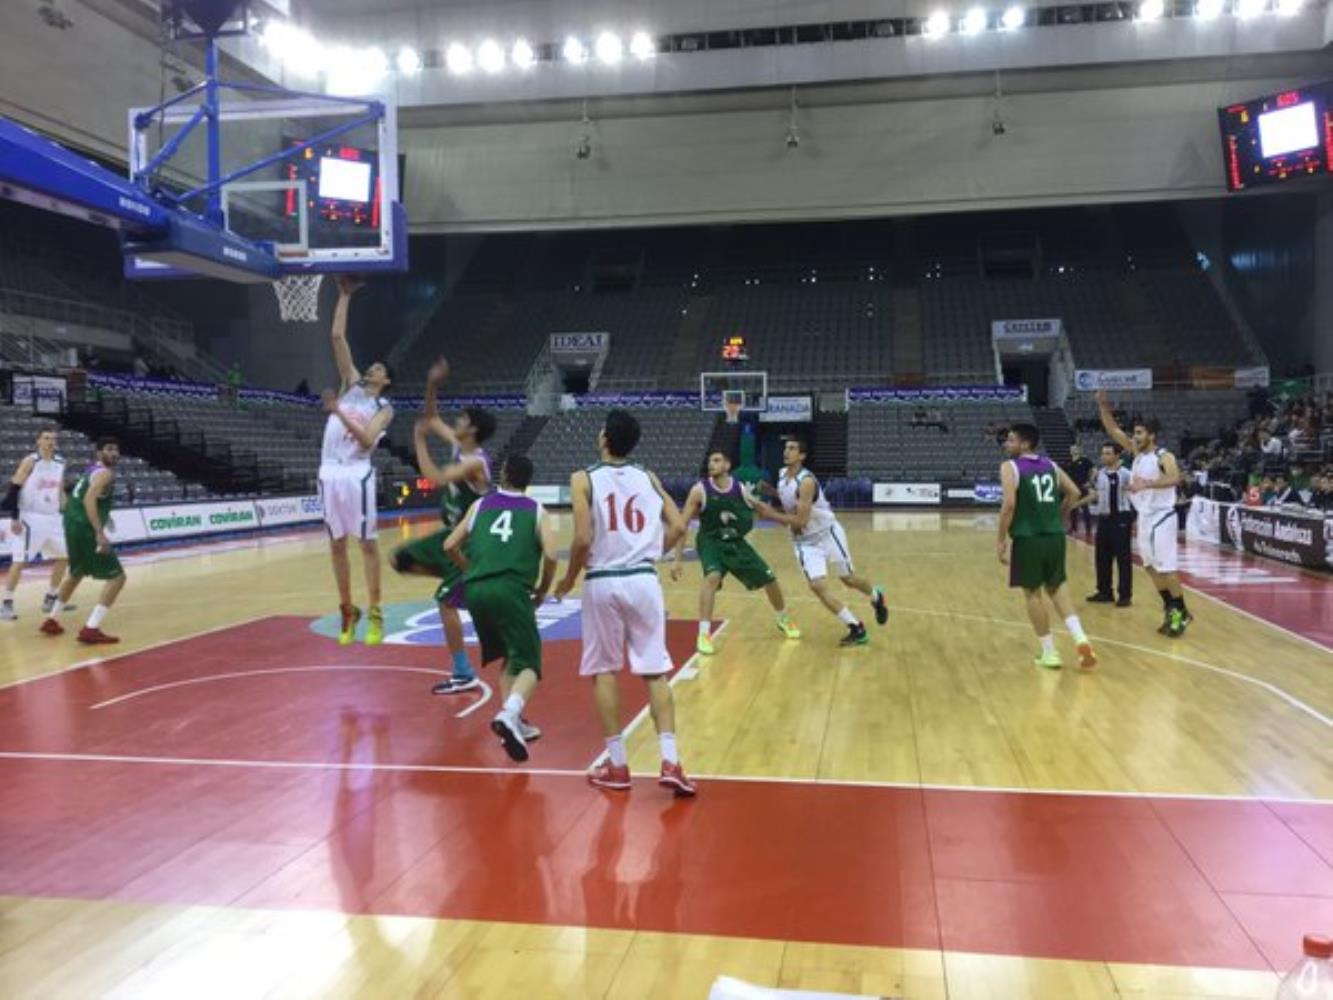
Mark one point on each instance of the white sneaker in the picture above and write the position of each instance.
(7, 613)
(509, 729)
(530, 732)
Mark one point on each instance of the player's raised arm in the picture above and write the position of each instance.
(1109, 424)
(1009, 502)
(342, 353)
(435, 377)
(550, 557)
(580, 497)
(454, 472)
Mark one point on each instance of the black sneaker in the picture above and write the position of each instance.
(1178, 622)
(1100, 598)
(510, 736)
(456, 685)
(881, 607)
(1124, 602)
(856, 636)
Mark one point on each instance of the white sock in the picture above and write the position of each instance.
(615, 749)
(9, 595)
(97, 617)
(57, 607)
(703, 629)
(1047, 644)
(1075, 628)
(846, 617)
(514, 705)
(667, 741)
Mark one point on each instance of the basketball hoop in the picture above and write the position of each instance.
(732, 407)
(298, 297)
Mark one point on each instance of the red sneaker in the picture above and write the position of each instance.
(51, 627)
(609, 776)
(95, 637)
(673, 777)
(1087, 659)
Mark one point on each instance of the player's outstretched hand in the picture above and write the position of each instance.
(438, 372)
(330, 400)
(348, 284)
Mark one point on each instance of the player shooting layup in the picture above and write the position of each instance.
(359, 416)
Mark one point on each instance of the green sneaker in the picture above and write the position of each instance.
(788, 627)
(375, 627)
(705, 646)
(1048, 661)
(351, 614)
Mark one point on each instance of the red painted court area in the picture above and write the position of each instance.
(355, 790)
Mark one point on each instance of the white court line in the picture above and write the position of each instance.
(314, 765)
(687, 672)
(1194, 589)
(104, 660)
(1272, 689)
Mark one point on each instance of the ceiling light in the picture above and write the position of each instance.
(642, 46)
(1151, 10)
(1250, 8)
(1013, 18)
(1208, 9)
(936, 25)
(522, 55)
(973, 22)
(409, 61)
(1289, 8)
(458, 58)
(610, 49)
(574, 51)
(490, 57)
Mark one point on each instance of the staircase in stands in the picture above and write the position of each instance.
(1056, 435)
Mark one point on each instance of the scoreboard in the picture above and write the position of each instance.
(342, 191)
(734, 349)
(1278, 138)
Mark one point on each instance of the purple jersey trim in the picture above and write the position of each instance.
(1031, 465)
(506, 501)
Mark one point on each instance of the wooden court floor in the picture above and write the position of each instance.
(230, 805)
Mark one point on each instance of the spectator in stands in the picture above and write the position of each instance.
(1321, 497)
(141, 369)
(1283, 493)
(1269, 445)
(1266, 491)
(302, 388)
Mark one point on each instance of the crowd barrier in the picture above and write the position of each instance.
(1294, 538)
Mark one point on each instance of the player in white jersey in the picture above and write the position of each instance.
(818, 539)
(623, 523)
(1154, 478)
(32, 505)
(359, 417)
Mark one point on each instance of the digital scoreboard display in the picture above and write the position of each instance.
(342, 185)
(734, 349)
(1278, 138)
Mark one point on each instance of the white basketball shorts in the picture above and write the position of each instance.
(348, 495)
(1158, 541)
(624, 620)
(38, 534)
(830, 547)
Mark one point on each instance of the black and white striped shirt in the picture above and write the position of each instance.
(1112, 492)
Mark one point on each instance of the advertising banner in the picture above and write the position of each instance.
(906, 493)
(551, 496)
(938, 393)
(1088, 380)
(1025, 329)
(31, 389)
(1294, 539)
(788, 409)
(579, 343)
(1250, 378)
(182, 519)
(274, 511)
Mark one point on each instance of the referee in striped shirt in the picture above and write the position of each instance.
(1115, 528)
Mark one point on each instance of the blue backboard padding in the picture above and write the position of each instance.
(35, 163)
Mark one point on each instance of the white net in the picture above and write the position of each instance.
(298, 297)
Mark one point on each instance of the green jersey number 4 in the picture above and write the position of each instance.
(503, 526)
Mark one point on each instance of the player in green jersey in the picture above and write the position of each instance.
(1037, 496)
(726, 515)
(462, 482)
(502, 544)
(87, 515)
